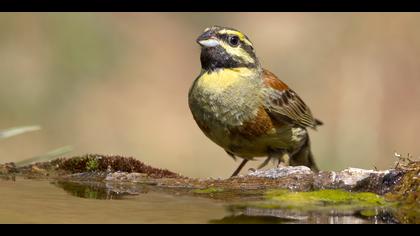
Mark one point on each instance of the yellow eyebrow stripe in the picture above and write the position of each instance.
(237, 33)
(238, 51)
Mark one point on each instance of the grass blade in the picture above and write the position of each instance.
(47, 157)
(17, 131)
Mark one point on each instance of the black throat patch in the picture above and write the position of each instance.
(214, 58)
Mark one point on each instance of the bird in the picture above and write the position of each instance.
(246, 109)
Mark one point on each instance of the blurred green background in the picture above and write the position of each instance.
(117, 83)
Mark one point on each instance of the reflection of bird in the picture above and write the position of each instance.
(246, 109)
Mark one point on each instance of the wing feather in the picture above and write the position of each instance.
(282, 103)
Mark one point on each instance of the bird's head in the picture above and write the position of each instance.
(223, 47)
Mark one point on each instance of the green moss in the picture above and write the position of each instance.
(325, 197)
(208, 190)
(320, 201)
(96, 162)
(92, 164)
(369, 212)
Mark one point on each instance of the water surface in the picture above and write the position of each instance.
(51, 201)
(40, 201)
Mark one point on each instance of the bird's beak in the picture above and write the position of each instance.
(208, 43)
(207, 39)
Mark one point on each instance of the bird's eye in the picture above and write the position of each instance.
(234, 41)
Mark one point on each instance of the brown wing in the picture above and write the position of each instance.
(282, 103)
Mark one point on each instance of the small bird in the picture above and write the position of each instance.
(246, 109)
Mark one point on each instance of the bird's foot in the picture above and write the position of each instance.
(282, 164)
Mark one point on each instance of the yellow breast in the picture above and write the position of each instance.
(217, 81)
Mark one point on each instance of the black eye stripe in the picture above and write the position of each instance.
(226, 37)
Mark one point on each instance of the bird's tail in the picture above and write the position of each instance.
(304, 157)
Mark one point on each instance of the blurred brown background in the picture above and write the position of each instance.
(118, 83)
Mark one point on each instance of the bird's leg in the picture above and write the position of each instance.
(231, 155)
(239, 168)
(283, 160)
(279, 156)
(264, 163)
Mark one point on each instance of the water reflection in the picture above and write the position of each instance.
(39, 201)
(250, 215)
(244, 219)
(99, 190)
(237, 213)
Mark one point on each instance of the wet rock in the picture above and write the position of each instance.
(282, 172)
(355, 179)
(324, 180)
(38, 170)
(379, 183)
(350, 177)
(117, 169)
(126, 177)
(8, 168)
